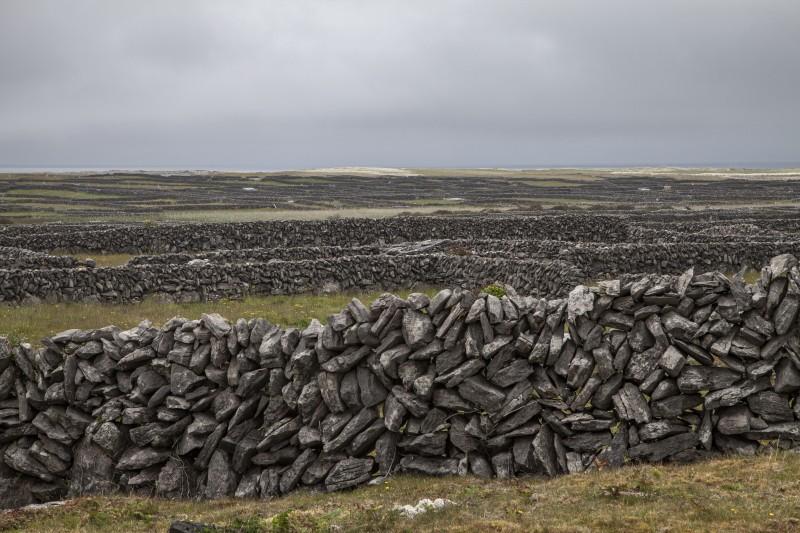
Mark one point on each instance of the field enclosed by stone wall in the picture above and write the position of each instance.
(654, 368)
(543, 255)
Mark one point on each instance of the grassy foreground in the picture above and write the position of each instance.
(732, 494)
(31, 323)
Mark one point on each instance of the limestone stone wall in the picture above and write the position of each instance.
(652, 368)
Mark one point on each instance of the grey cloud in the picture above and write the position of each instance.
(303, 83)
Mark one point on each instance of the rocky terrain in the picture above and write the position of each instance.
(542, 255)
(652, 368)
(120, 196)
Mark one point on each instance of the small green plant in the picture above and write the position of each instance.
(281, 523)
(495, 289)
(252, 524)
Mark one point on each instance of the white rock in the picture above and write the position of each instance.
(580, 301)
(422, 506)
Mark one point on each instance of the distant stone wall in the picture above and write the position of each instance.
(198, 282)
(167, 238)
(23, 258)
(258, 255)
(527, 265)
(655, 368)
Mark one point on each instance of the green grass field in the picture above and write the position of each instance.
(31, 323)
(742, 494)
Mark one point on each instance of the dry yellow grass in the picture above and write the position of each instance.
(731, 494)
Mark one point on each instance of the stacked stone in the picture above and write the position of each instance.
(258, 255)
(656, 368)
(16, 258)
(210, 281)
(348, 232)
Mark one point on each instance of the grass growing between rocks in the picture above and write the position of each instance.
(732, 494)
(31, 323)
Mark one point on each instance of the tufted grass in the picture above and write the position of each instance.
(31, 323)
(730, 494)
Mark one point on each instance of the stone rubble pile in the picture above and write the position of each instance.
(655, 368)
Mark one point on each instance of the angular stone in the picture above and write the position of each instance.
(544, 453)
(786, 313)
(430, 444)
(139, 458)
(735, 445)
(603, 396)
(479, 466)
(358, 423)
(733, 420)
(248, 485)
(175, 480)
(641, 364)
(704, 378)
(630, 404)
(457, 375)
(291, 476)
(183, 380)
(590, 441)
(770, 406)
(329, 388)
(349, 473)
(418, 330)
(784, 431)
(109, 437)
(787, 376)
(518, 417)
(218, 326)
(269, 482)
(481, 393)
(415, 405)
(252, 382)
(674, 406)
(21, 460)
(281, 430)
(92, 470)
(364, 442)
(733, 395)
(491, 348)
(394, 413)
(580, 368)
(660, 429)
(347, 360)
(136, 359)
(221, 480)
(661, 449)
(672, 361)
(370, 387)
(429, 466)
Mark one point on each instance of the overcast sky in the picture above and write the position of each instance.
(274, 84)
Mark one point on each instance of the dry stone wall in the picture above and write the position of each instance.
(542, 267)
(653, 368)
(205, 261)
(167, 238)
(209, 281)
(22, 258)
